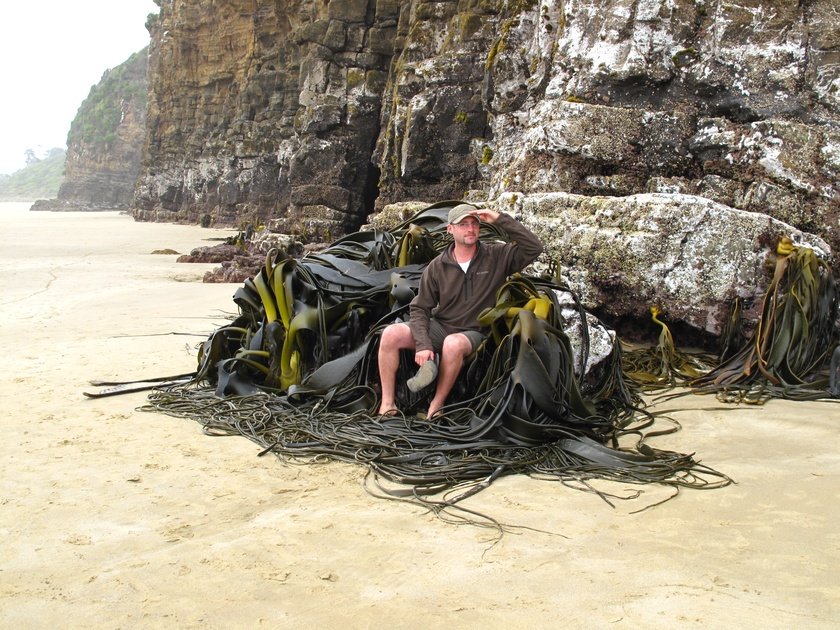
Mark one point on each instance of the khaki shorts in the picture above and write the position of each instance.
(437, 334)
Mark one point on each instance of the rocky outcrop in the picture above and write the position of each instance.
(105, 143)
(736, 102)
(271, 111)
(307, 116)
(266, 111)
(242, 256)
(686, 255)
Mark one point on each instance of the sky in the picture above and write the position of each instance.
(51, 53)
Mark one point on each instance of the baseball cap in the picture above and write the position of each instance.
(457, 214)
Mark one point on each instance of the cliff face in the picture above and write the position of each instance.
(265, 110)
(737, 102)
(105, 143)
(313, 113)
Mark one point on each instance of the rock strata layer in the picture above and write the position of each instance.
(309, 115)
(266, 111)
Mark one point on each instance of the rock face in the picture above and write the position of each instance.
(736, 102)
(266, 110)
(687, 255)
(308, 115)
(313, 114)
(105, 143)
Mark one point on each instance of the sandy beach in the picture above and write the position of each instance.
(116, 518)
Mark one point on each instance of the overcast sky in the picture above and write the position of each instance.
(52, 52)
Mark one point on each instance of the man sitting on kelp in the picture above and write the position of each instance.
(454, 289)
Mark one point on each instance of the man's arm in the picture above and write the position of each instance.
(527, 246)
(420, 312)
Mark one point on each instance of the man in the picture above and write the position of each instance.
(455, 287)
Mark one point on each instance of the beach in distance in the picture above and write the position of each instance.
(113, 517)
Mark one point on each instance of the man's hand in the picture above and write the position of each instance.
(482, 214)
(421, 356)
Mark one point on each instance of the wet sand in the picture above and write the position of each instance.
(112, 517)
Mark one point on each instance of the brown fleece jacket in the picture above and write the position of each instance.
(455, 298)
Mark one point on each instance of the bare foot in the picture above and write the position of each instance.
(387, 410)
(432, 412)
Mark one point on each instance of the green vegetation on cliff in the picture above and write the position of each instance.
(40, 179)
(101, 112)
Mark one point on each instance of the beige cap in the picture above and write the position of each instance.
(457, 214)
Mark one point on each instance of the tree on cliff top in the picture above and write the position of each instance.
(100, 114)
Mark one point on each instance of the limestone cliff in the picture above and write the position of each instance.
(314, 113)
(265, 110)
(309, 115)
(734, 101)
(105, 143)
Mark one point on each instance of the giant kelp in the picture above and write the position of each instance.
(296, 372)
(787, 352)
(791, 352)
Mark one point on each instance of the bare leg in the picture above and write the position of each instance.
(456, 347)
(394, 338)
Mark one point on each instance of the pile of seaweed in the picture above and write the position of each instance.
(296, 372)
